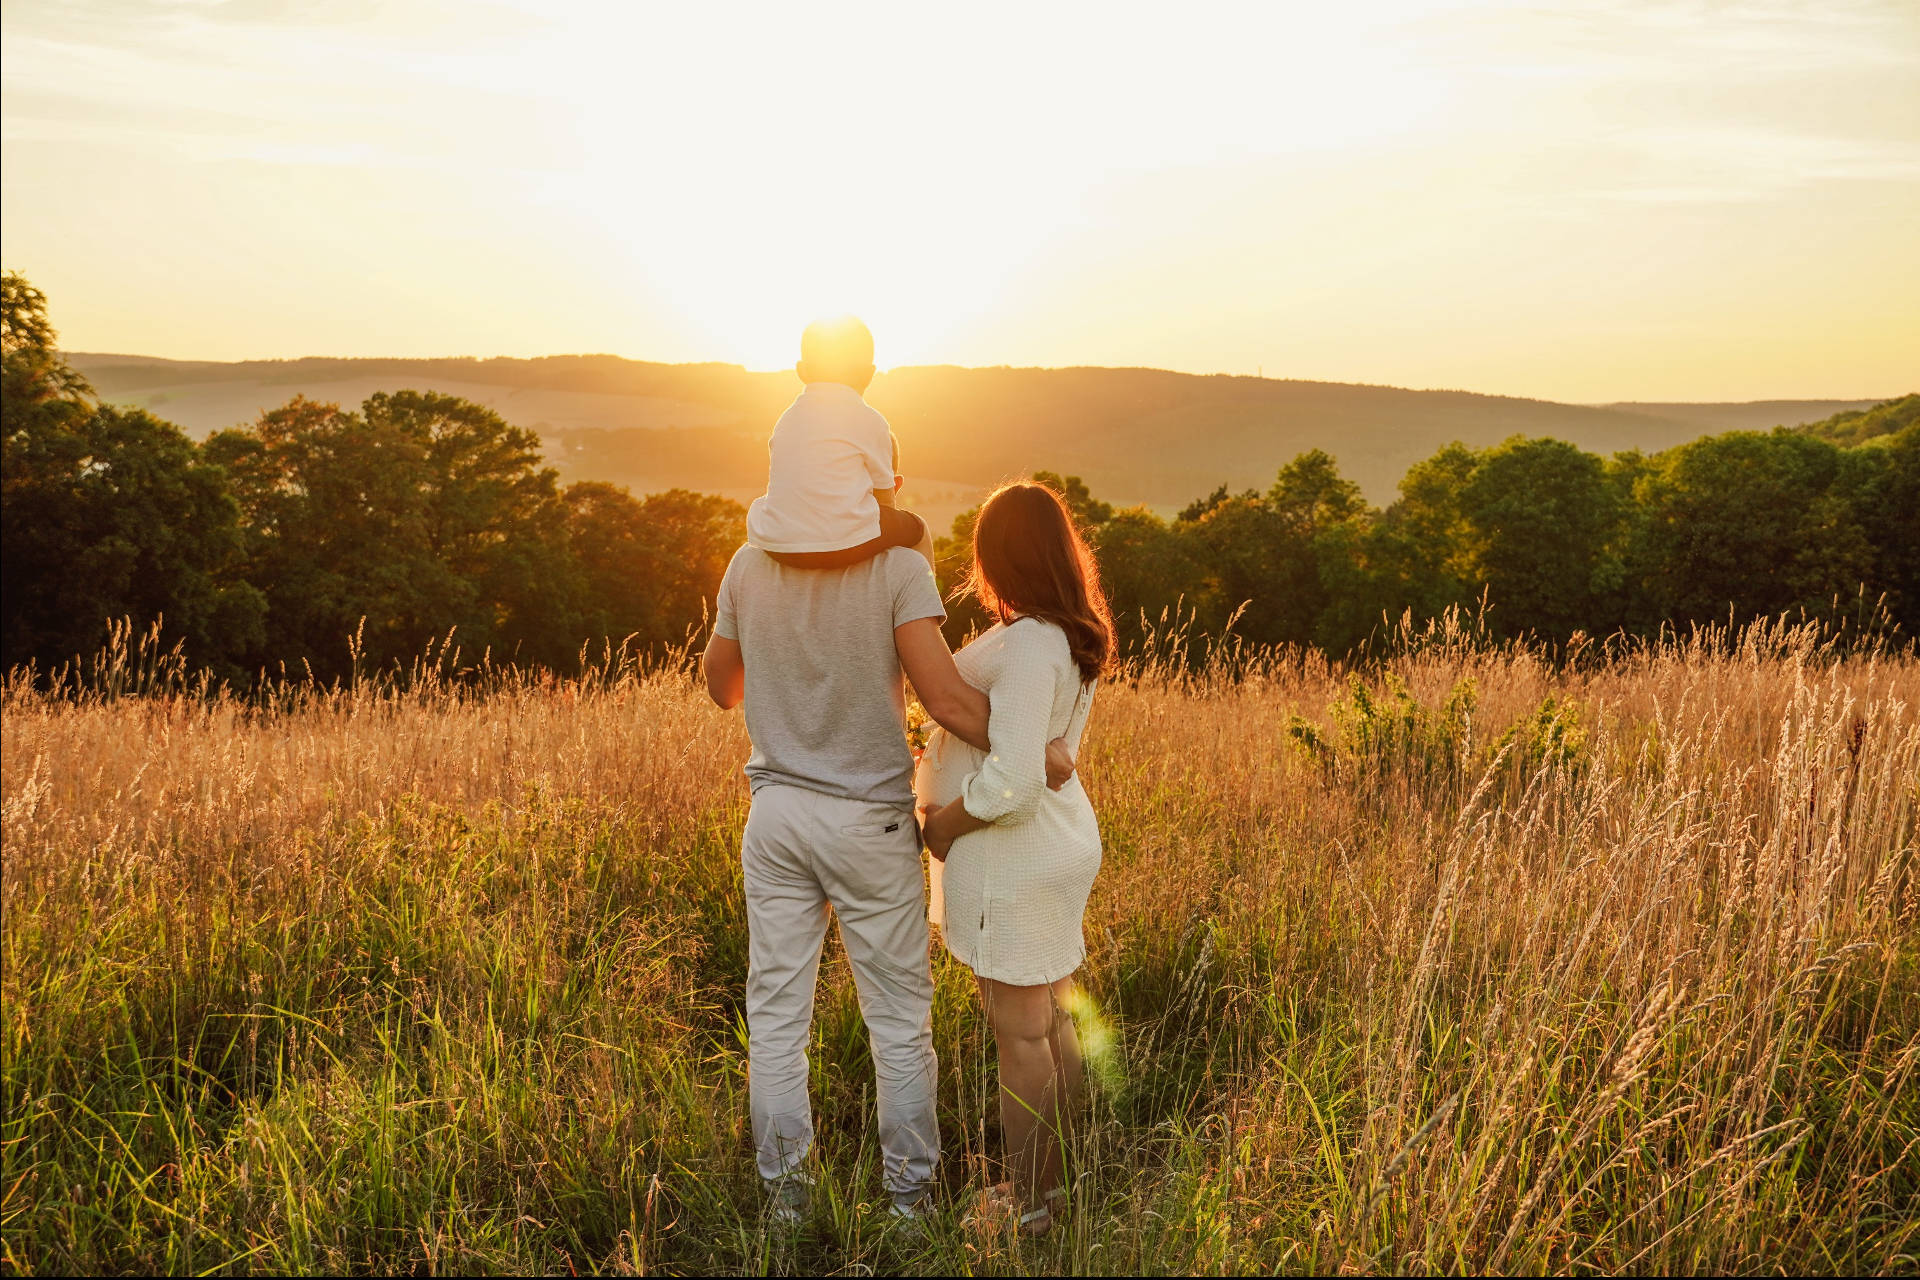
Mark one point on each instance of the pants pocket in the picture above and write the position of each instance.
(886, 824)
(877, 830)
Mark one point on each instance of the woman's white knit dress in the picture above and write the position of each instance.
(1010, 899)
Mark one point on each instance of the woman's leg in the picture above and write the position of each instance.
(1070, 1077)
(1022, 1019)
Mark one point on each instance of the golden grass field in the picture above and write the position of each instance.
(1477, 964)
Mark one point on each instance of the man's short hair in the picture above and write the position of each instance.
(836, 344)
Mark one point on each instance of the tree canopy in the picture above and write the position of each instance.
(1859, 426)
(319, 536)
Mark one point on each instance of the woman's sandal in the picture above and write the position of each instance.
(1044, 1214)
(990, 1211)
(997, 1207)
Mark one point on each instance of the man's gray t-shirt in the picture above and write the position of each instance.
(825, 705)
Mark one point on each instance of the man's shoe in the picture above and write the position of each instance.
(912, 1212)
(789, 1199)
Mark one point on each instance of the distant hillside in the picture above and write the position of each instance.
(1137, 435)
(1748, 415)
(1861, 425)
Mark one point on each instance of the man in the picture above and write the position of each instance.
(817, 657)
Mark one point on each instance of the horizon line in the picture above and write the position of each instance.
(1010, 368)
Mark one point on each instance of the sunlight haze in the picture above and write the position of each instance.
(1581, 202)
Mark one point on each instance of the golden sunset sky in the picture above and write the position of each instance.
(1578, 201)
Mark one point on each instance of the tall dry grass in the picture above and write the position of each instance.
(1464, 962)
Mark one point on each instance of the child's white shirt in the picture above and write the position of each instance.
(829, 452)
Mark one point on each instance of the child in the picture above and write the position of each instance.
(832, 461)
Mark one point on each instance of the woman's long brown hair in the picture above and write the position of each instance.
(1029, 559)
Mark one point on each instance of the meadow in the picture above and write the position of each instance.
(1456, 960)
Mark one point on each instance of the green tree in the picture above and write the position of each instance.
(1088, 511)
(1751, 523)
(1328, 590)
(1199, 508)
(1544, 523)
(1146, 571)
(1423, 548)
(1885, 503)
(1859, 426)
(34, 372)
(1287, 555)
(423, 514)
(107, 514)
(649, 567)
(1243, 555)
(1310, 495)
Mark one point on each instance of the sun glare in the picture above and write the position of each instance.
(762, 248)
(817, 194)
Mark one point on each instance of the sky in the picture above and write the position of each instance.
(1592, 201)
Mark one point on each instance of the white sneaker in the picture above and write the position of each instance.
(789, 1199)
(913, 1212)
(913, 1206)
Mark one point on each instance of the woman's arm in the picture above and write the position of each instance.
(1010, 781)
(941, 825)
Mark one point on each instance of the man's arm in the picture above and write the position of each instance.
(960, 708)
(726, 672)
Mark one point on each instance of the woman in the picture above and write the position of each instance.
(1015, 861)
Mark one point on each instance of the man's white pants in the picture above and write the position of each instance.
(802, 852)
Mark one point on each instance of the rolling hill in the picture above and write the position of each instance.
(1136, 435)
(1745, 415)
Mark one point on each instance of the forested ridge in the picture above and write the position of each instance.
(320, 537)
(1152, 436)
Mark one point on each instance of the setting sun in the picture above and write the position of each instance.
(919, 168)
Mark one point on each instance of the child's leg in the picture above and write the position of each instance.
(897, 529)
(905, 529)
(925, 545)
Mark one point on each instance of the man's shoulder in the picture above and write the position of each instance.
(911, 585)
(903, 565)
(754, 569)
(745, 559)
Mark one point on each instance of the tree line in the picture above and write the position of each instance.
(1548, 540)
(418, 517)
(270, 547)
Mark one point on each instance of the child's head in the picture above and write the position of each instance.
(836, 349)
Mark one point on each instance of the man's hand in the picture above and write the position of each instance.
(1060, 765)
